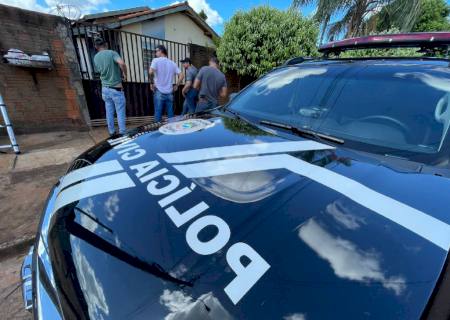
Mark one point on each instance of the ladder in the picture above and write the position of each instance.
(9, 128)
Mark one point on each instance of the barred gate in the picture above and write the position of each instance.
(137, 51)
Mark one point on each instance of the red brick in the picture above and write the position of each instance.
(52, 101)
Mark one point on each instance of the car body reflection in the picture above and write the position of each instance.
(184, 307)
(346, 259)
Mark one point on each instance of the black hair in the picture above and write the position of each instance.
(99, 42)
(162, 49)
(214, 59)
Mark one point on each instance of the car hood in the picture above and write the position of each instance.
(334, 233)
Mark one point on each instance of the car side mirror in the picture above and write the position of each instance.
(233, 95)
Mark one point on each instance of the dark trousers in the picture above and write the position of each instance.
(204, 104)
(190, 101)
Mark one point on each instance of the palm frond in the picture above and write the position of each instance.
(359, 17)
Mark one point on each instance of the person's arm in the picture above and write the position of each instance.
(187, 86)
(123, 68)
(198, 79)
(151, 75)
(224, 88)
(179, 78)
(223, 92)
(197, 84)
(122, 65)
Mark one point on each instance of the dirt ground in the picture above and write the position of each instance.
(25, 181)
(11, 304)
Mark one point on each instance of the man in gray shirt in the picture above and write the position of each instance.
(212, 84)
(189, 93)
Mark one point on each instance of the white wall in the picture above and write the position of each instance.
(175, 27)
(154, 28)
(180, 28)
(135, 28)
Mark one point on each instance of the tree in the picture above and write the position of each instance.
(385, 52)
(355, 15)
(203, 15)
(256, 41)
(433, 16)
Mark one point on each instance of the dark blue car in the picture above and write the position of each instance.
(321, 191)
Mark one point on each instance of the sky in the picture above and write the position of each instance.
(218, 11)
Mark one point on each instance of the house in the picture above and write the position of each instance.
(177, 23)
(136, 32)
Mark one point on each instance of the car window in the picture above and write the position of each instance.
(398, 106)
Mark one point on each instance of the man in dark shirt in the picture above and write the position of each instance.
(212, 84)
(189, 93)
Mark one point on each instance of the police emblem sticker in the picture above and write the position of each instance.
(185, 126)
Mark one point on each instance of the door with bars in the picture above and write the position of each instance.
(137, 51)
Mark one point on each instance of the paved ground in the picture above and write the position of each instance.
(25, 181)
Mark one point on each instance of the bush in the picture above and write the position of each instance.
(394, 52)
(256, 41)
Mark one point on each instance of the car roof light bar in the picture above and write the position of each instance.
(411, 40)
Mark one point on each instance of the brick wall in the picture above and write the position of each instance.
(52, 100)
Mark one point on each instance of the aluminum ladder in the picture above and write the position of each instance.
(9, 129)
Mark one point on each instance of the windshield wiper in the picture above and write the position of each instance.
(236, 114)
(303, 132)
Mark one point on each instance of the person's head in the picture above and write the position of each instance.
(186, 62)
(161, 51)
(214, 62)
(100, 44)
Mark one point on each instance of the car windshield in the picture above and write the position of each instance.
(396, 106)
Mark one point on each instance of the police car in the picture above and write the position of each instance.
(321, 191)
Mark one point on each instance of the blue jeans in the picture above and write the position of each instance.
(190, 101)
(205, 105)
(162, 101)
(114, 101)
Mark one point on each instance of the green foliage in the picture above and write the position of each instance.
(239, 126)
(256, 41)
(216, 41)
(433, 16)
(203, 15)
(355, 16)
(394, 52)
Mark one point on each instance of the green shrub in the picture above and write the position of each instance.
(256, 41)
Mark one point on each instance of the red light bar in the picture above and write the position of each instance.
(417, 39)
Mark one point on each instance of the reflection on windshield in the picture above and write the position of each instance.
(279, 80)
(439, 83)
(346, 259)
(90, 286)
(382, 108)
(184, 307)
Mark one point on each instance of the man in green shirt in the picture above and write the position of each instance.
(112, 71)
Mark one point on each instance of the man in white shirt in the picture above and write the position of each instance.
(163, 71)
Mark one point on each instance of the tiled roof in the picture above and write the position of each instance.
(114, 13)
(141, 13)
